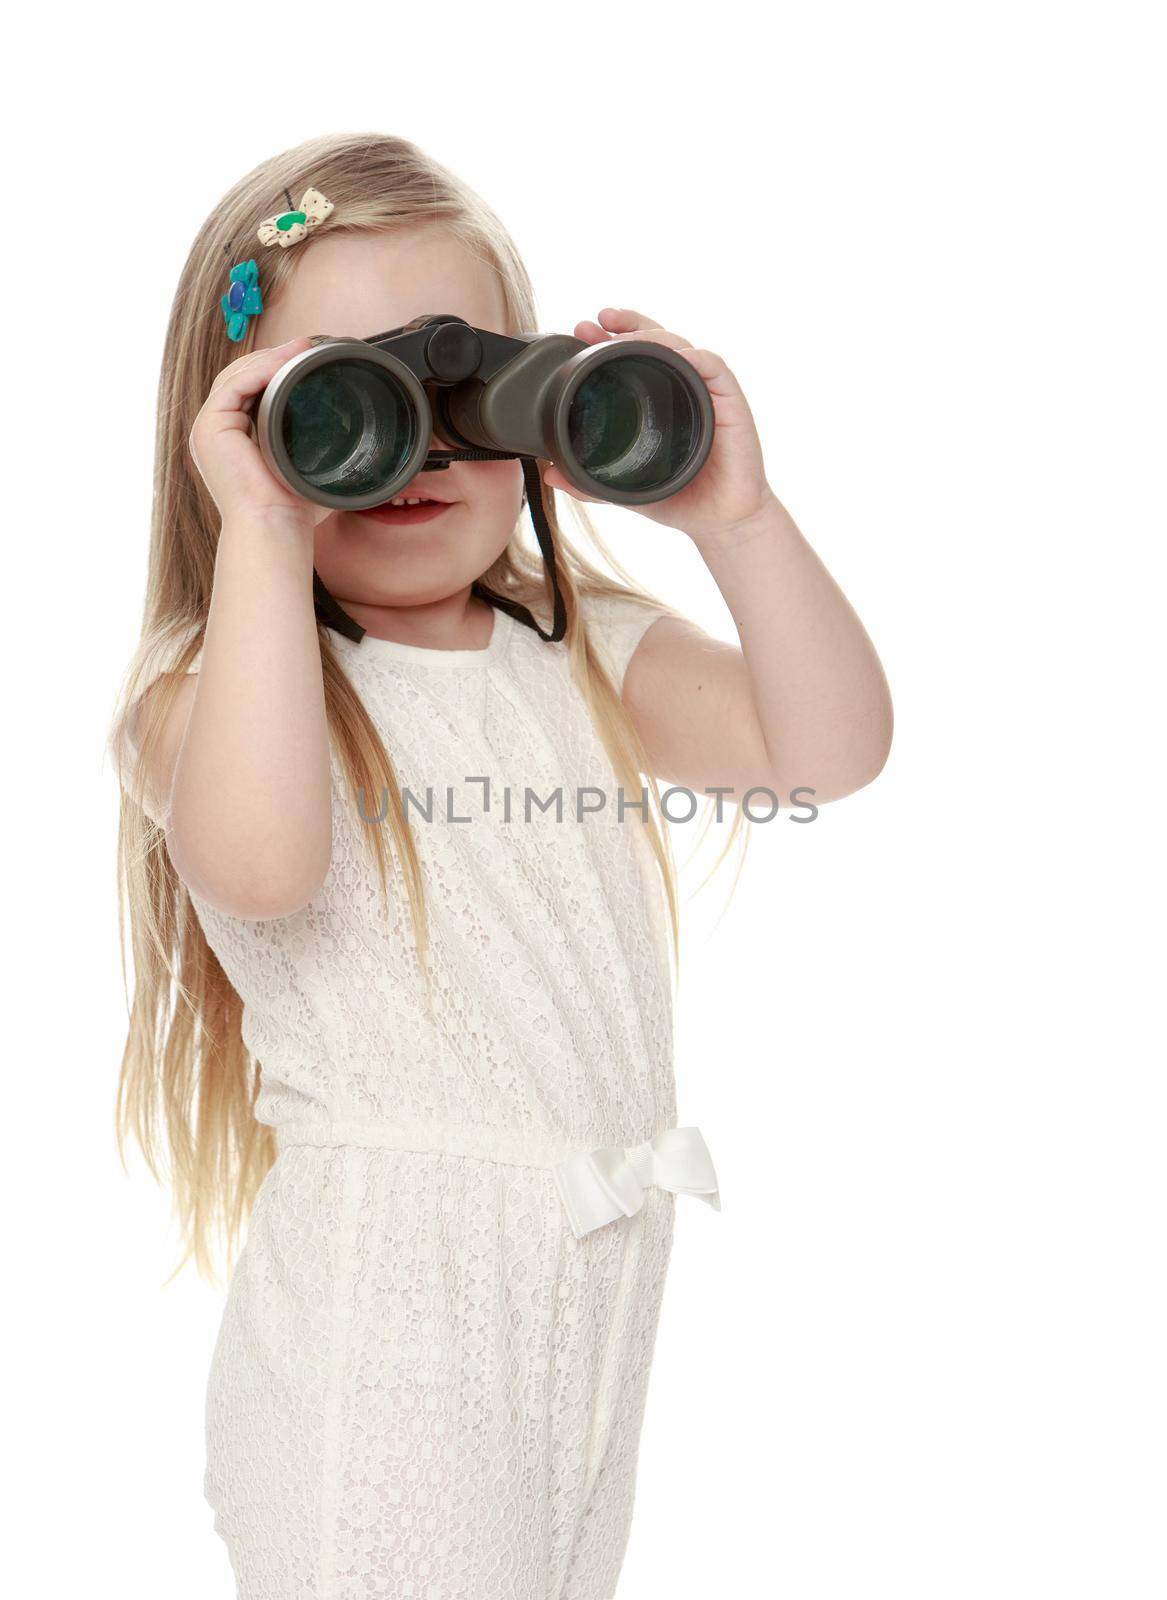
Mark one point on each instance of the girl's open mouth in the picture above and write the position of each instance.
(401, 516)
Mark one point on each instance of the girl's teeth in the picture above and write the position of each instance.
(399, 501)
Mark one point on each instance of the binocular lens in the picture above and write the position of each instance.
(633, 423)
(349, 427)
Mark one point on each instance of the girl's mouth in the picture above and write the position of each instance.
(401, 516)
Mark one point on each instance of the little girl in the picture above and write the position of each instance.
(428, 1057)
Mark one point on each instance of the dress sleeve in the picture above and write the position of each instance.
(163, 658)
(616, 624)
(166, 656)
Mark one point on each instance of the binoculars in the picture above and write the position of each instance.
(348, 422)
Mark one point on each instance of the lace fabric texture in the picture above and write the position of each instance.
(424, 1387)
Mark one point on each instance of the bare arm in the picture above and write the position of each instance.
(803, 703)
(245, 760)
(242, 769)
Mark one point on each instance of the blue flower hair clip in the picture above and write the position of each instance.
(242, 300)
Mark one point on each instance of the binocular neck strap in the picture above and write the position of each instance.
(333, 615)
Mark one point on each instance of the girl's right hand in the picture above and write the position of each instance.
(229, 460)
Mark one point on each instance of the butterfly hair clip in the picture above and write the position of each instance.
(289, 227)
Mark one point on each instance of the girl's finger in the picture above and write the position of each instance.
(554, 479)
(675, 341)
(620, 320)
(719, 380)
(653, 335)
(633, 324)
(247, 377)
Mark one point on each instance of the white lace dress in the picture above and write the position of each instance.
(428, 1385)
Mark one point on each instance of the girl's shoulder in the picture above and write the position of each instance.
(165, 652)
(616, 622)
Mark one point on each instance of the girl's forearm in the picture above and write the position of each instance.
(820, 693)
(250, 810)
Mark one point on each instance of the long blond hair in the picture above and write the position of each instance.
(187, 1080)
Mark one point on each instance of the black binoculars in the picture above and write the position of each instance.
(348, 422)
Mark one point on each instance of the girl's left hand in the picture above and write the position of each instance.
(731, 487)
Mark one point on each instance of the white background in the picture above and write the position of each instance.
(920, 1352)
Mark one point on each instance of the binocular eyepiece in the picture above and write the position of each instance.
(348, 422)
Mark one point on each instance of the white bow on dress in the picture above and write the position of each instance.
(600, 1185)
